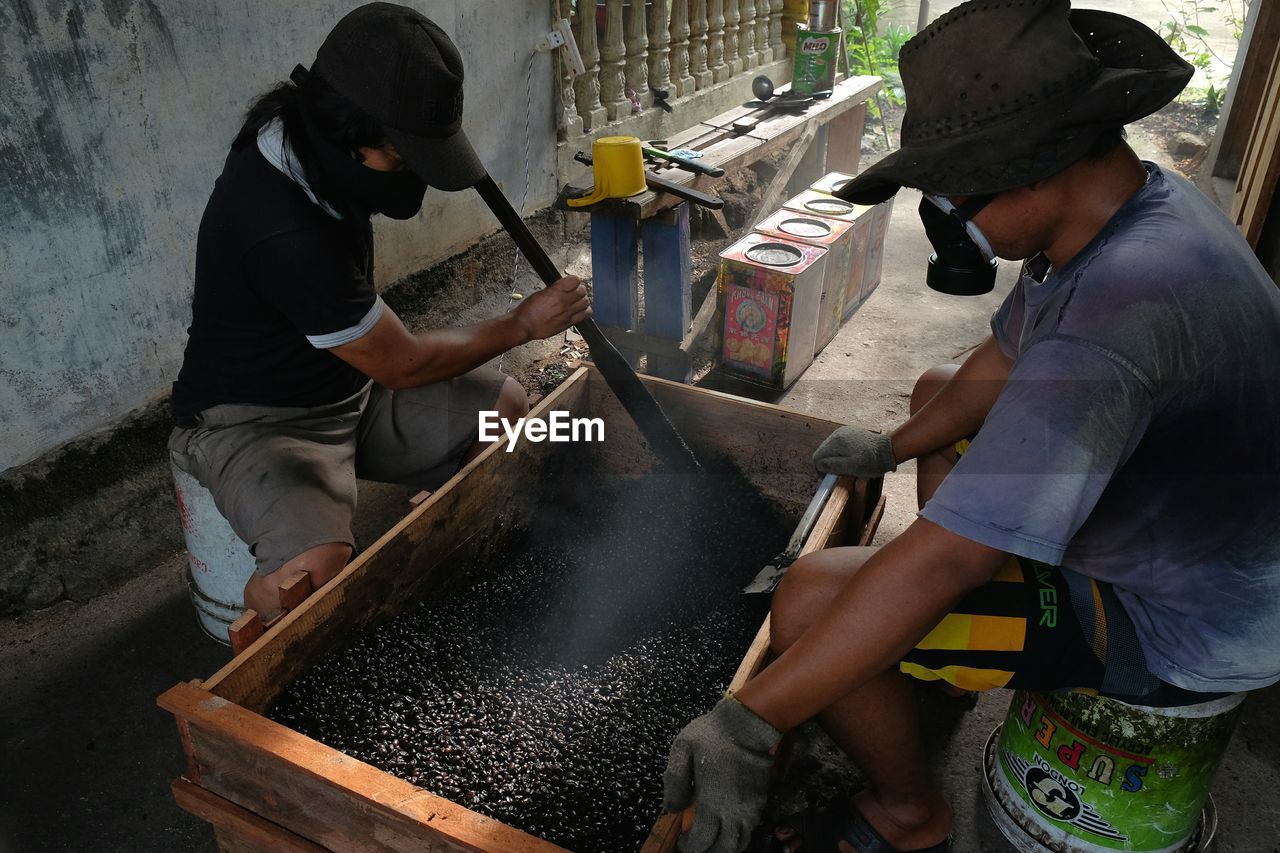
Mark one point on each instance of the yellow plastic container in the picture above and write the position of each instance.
(618, 167)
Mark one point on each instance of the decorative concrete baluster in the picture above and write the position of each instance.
(680, 76)
(731, 57)
(747, 34)
(762, 32)
(698, 44)
(659, 46)
(613, 54)
(570, 121)
(586, 87)
(715, 41)
(776, 8)
(638, 54)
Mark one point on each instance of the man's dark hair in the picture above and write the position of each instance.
(1106, 143)
(343, 124)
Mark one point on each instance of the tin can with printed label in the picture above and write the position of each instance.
(840, 239)
(770, 291)
(813, 67)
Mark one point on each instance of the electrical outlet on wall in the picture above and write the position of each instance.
(561, 37)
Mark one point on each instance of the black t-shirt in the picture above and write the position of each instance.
(278, 279)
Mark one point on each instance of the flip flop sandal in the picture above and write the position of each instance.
(822, 828)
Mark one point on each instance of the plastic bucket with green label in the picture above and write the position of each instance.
(1071, 773)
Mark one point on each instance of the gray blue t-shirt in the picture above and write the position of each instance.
(1138, 438)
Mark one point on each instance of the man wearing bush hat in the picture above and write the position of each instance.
(1096, 481)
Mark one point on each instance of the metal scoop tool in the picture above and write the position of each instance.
(769, 576)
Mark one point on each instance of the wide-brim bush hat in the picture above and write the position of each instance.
(1003, 93)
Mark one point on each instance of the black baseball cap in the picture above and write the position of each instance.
(399, 67)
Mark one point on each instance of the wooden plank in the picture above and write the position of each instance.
(1260, 166)
(409, 559)
(295, 590)
(873, 524)
(667, 288)
(774, 133)
(770, 445)
(228, 843)
(615, 246)
(240, 828)
(844, 147)
(666, 273)
(245, 631)
(323, 795)
(773, 197)
(1247, 90)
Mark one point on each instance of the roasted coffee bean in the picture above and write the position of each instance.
(546, 694)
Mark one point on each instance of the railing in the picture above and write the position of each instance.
(639, 55)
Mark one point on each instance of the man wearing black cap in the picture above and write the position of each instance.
(1097, 481)
(297, 377)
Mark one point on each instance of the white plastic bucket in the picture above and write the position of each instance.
(218, 562)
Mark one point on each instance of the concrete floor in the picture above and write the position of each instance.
(86, 757)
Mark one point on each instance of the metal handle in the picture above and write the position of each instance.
(684, 162)
(617, 371)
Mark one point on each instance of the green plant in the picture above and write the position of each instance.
(1185, 32)
(871, 51)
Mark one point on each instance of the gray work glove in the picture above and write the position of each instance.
(855, 451)
(722, 760)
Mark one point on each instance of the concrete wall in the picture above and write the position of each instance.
(115, 120)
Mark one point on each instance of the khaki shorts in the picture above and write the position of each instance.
(285, 477)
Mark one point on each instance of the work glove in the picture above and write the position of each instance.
(855, 451)
(722, 760)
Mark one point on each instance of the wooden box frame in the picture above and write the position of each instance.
(265, 787)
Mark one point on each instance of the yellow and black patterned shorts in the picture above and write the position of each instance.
(1034, 626)
(1023, 629)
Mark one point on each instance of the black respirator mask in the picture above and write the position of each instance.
(963, 262)
(398, 195)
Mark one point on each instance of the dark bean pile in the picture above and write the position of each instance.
(548, 693)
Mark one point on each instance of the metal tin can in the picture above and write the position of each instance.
(813, 68)
(770, 290)
(822, 14)
(865, 268)
(844, 250)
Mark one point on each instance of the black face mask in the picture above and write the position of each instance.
(398, 195)
(960, 265)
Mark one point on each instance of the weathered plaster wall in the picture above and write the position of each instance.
(114, 120)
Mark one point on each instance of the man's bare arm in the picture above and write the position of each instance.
(958, 410)
(393, 356)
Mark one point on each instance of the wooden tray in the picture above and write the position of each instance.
(265, 787)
